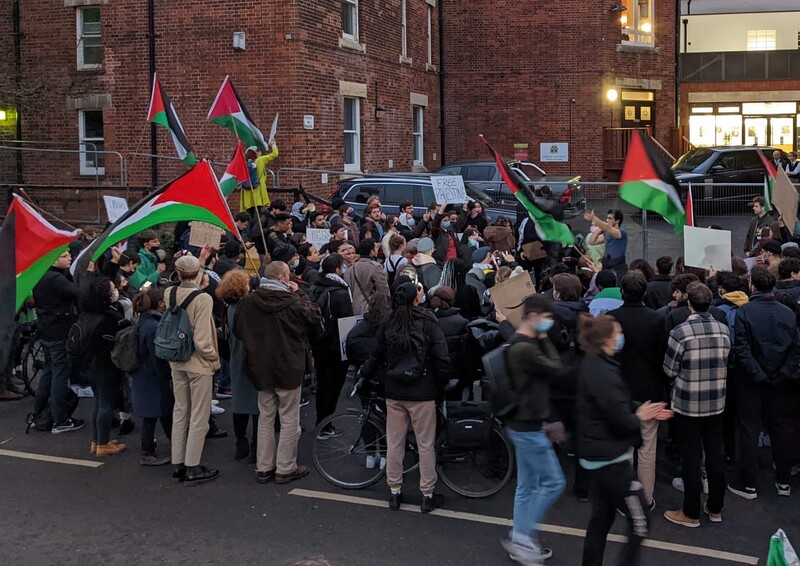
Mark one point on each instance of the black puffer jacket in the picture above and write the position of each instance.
(607, 424)
(341, 307)
(55, 297)
(361, 342)
(437, 363)
(659, 292)
(454, 327)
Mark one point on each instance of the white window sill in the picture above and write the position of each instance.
(352, 169)
(638, 48)
(90, 67)
(87, 173)
(431, 68)
(405, 60)
(349, 43)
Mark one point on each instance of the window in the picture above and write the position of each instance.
(350, 19)
(90, 130)
(404, 30)
(397, 193)
(419, 142)
(430, 36)
(352, 134)
(361, 194)
(480, 173)
(761, 40)
(90, 46)
(751, 160)
(637, 21)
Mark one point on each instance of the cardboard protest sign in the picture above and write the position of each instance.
(509, 295)
(115, 207)
(785, 200)
(345, 326)
(318, 237)
(201, 234)
(704, 247)
(449, 189)
(252, 262)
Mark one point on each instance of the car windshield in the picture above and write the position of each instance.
(530, 170)
(693, 159)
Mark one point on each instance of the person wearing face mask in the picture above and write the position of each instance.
(533, 362)
(475, 216)
(470, 241)
(443, 228)
(608, 431)
(149, 268)
(407, 222)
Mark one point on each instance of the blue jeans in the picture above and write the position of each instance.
(106, 384)
(223, 375)
(540, 480)
(54, 381)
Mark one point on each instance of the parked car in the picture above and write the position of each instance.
(715, 172)
(485, 175)
(394, 188)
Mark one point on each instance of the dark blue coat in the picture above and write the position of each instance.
(152, 391)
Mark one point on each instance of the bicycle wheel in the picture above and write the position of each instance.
(343, 460)
(32, 365)
(477, 472)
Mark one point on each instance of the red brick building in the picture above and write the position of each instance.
(356, 83)
(540, 73)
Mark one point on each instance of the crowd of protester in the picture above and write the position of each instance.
(608, 347)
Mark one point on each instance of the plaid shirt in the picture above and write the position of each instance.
(697, 356)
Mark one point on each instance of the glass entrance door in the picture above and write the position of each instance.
(781, 133)
(755, 131)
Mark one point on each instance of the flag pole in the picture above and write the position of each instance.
(43, 211)
(258, 212)
(252, 263)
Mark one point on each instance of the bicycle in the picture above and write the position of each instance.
(32, 357)
(354, 459)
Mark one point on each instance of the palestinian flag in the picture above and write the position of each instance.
(770, 178)
(236, 172)
(229, 112)
(649, 184)
(162, 112)
(689, 208)
(195, 195)
(30, 246)
(547, 228)
(781, 552)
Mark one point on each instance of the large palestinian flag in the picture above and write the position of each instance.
(781, 552)
(547, 228)
(770, 178)
(162, 112)
(229, 112)
(236, 172)
(30, 247)
(649, 184)
(195, 195)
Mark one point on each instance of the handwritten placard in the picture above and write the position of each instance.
(116, 207)
(201, 234)
(318, 237)
(449, 189)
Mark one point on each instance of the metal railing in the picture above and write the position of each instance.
(42, 165)
(740, 66)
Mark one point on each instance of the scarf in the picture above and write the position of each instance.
(334, 277)
(274, 284)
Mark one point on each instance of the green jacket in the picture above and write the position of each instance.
(146, 271)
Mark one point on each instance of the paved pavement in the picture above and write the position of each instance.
(123, 513)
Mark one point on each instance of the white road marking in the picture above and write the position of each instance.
(557, 529)
(53, 459)
(7, 441)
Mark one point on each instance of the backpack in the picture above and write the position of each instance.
(328, 324)
(390, 275)
(125, 352)
(408, 366)
(254, 181)
(174, 340)
(80, 339)
(497, 382)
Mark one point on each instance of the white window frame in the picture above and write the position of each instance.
(80, 37)
(630, 22)
(430, 35)
(418, 136)
(404, 29)
(352, 36)
(762, 40)
(85, 147)
(356, 165)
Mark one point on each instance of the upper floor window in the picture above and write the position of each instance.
(418, 118)
(352, 134)
(350, 19)
(637, 22)
(91, 142)
(90, 45)
(761, 40)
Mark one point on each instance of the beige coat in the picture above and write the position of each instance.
(365, 278)
(205, 358)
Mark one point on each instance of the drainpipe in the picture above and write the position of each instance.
(441, 83)
(151, 36)
(678, 69)
(17, 86)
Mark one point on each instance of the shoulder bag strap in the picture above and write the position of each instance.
(190, 298)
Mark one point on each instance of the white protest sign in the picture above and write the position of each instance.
(115, 207)
(274, 129)
(201, 234)
(704, 247)
(750, 262)
(345, 326)
(449, 189)
(318, 237)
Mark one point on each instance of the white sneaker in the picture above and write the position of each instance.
(372, 461)
(529, 555)
(784, 489)
(677, 483)
(216, 410)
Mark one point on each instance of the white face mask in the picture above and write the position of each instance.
(114, 296)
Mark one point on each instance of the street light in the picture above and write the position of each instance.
(612, 94)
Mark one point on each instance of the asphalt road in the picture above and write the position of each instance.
(123, 513)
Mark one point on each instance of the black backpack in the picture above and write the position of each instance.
(80, 339)
(408, 366)
(390, 275)
(125, 353)
(497, 383)
(328, 323)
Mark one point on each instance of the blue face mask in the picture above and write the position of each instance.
(351, 213)
(545, 325)
(411, 221)
(473, 243)
(620, 344)
(446, 225)
(295, 263)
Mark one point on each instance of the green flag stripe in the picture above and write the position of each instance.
(28, 279)
(160, 118)
(645, 196)
(551, 230)
(240, 129)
